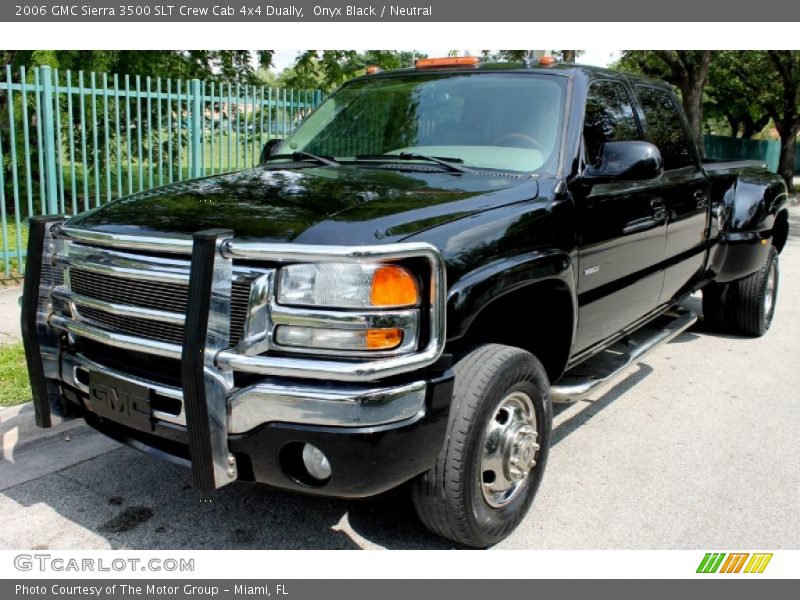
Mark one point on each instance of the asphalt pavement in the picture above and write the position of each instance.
(695, 449)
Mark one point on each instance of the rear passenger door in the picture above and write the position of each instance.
(620, 226)
(684, 187)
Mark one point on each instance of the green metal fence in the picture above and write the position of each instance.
(769, 151)
(73, 141)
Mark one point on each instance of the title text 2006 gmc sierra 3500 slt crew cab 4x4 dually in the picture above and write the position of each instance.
(401, 289)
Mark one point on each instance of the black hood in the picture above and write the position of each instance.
(324, 205)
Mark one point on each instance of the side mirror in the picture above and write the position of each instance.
(270, 149)
(626, 161)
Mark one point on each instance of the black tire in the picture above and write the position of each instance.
(741, 306)
(750, 311)
(449, 498)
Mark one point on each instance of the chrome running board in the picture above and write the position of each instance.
(581, 380)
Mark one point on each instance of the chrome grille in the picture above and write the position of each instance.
(154, 295)
(153, 330)
(135, 292)
(240, 297)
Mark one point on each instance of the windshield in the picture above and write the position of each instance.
(489, 120)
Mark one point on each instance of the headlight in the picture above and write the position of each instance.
(348, 285)
(387, 294)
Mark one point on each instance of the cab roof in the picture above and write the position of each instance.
(561, 68)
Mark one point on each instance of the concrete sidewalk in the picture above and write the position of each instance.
(9, 314)
(29, 452)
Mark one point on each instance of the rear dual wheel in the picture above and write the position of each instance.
(497, 443)
(747, 305)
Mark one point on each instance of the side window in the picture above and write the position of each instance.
(609, 118)
(664, 127)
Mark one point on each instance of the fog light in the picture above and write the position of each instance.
(316, 463)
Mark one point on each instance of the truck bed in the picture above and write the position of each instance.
(725, 164)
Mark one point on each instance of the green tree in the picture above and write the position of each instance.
(223, 65)
(688, 70)
(327, 69)
(773, 80)
(728, 99)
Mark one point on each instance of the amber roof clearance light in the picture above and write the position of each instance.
(448, 61)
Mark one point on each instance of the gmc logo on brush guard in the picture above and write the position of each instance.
(719, 562)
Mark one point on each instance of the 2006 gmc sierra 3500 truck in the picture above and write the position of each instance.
(403, 286)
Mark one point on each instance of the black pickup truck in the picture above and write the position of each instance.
(402, 288)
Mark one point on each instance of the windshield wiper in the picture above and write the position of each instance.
(298, 156)
(445, 161)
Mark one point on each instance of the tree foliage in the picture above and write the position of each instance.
(327, 69)
(773, 80)
(223, 65)
(730, 101)
(688, 70)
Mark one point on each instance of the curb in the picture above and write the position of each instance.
(30, 453)
(18, 427)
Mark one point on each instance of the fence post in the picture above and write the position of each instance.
(197, 129)
(49, 143)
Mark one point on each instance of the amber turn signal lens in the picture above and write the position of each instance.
(393, 286)
(384, 339)
(546, 61)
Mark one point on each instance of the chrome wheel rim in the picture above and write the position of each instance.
(510, 449)
(769, 290)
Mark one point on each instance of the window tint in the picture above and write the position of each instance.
(664, 127)
(609, 118)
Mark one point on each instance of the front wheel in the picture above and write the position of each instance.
(498, 439)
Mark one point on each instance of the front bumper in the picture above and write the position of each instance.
(269, 400)
(228, 412)
(365, 459)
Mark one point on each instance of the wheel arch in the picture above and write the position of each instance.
(489, 309)
(780, 230)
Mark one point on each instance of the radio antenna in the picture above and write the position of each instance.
(529, 59)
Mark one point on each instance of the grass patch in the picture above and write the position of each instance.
(14, 386)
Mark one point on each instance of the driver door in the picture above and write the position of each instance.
(621, 227)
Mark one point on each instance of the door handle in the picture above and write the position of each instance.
(700, 198)
(659, 210)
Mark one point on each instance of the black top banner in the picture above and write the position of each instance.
(398, 11)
